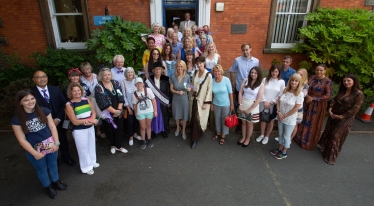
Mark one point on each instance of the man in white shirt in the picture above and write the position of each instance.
(118, 71)
(186, 23)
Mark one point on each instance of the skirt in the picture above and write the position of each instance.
(255, 113)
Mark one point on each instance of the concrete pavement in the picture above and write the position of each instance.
(171, 173)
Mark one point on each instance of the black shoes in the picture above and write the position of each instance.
(68, 161)
(239, 143)
(193, 144)
(59, 185)
(164, 135)
(51, 192)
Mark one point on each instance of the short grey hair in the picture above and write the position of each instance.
(102, 70)
(155, 24)
(118, 56)
(129, 69)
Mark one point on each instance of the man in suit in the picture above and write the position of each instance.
(186, 23)
(52, 98)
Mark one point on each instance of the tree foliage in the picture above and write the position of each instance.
(119, 37)
(343, 39)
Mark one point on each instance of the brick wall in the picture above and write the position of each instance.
(23, 27)
(136, 10)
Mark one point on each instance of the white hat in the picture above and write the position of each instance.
(138, 79)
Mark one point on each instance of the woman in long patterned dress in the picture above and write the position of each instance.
(341, 115)
(200, 101)
(315, 105)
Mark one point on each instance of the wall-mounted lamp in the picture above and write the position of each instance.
(106, 11)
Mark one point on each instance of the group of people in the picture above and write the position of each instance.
(189, 87)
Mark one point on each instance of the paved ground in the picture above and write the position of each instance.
(173, 174)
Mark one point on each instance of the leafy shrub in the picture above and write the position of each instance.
(56, 63)
(119, 37)
(343, 39)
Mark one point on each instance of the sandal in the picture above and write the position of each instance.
(222, 140)
(216, 136)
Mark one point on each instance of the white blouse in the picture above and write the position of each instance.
(286, 103)
(273, 89)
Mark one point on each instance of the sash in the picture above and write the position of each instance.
(156, 91)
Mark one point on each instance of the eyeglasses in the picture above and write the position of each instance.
(41, 77)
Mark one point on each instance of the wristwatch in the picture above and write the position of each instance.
(57, 143)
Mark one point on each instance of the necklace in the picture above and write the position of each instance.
(111, 90)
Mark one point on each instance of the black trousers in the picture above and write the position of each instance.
(132, 124)
(64, 143)
(239, 127)
(114, 135)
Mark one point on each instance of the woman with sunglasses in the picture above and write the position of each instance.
(154, 57)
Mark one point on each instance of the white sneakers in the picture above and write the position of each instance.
(91, 172)
(113, 150)
(263, 139)
(123, 150)
(96, 165)
(131, 142)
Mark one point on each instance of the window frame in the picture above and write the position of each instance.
(281, 48)
(51, 27)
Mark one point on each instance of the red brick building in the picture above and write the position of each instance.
(269, 25)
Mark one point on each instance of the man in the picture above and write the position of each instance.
(210, 38)
(118, 71)
(242, 66)
(186, 23)
(176, 30)
(287, 71)
(175, 45)
(52, 98)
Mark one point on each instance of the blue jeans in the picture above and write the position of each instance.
(285, 132)
(46, 168)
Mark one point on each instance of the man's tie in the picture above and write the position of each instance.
(188, 23)
(46, 97)
(119, 71)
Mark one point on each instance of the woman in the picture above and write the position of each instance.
(145, 109)
(250, 95)
(163, 30)
(130, 88)
(109, 97)
(169, 58)
(159, 38)
(342, 113)
(179, 86)
(81, 113)
(169, 36)
(203, 45)
(90, 79)
(36, 132)
(74, 77)
(304, 83)
(155, 57)
(200, 100)
(147, 53)
(194, 28)
(273, 89)
(190, 64)
(287, 106)
(315, 106)
(200, 34)
(187, 45)
(160, 86)
(188, 34)
(222, 102)
(211, 56)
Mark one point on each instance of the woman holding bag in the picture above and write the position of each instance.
(222, 102)
(274, 87)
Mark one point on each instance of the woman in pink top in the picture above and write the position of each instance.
(159, 38)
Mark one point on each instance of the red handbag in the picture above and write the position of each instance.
(232, 120)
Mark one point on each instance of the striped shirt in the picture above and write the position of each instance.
(82, 110)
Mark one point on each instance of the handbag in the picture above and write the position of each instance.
(67, 124)
(265, 116)
(231, 120)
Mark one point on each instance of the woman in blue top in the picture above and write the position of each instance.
(169, 58)
(222, 102)
(36, 132)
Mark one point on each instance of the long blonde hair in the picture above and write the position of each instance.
(206, 53)
(297, 91)
(304, 77)
(183, 64)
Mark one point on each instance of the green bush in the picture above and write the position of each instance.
(119, 37)
(56, 63)
(343, 39)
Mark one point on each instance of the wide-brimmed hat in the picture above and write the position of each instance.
(138, 79)
(157, 64)
(201, 29)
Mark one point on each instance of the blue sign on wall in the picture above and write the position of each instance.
(100, 20)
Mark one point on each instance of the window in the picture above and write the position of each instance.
(66, 23)
(286, 18)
